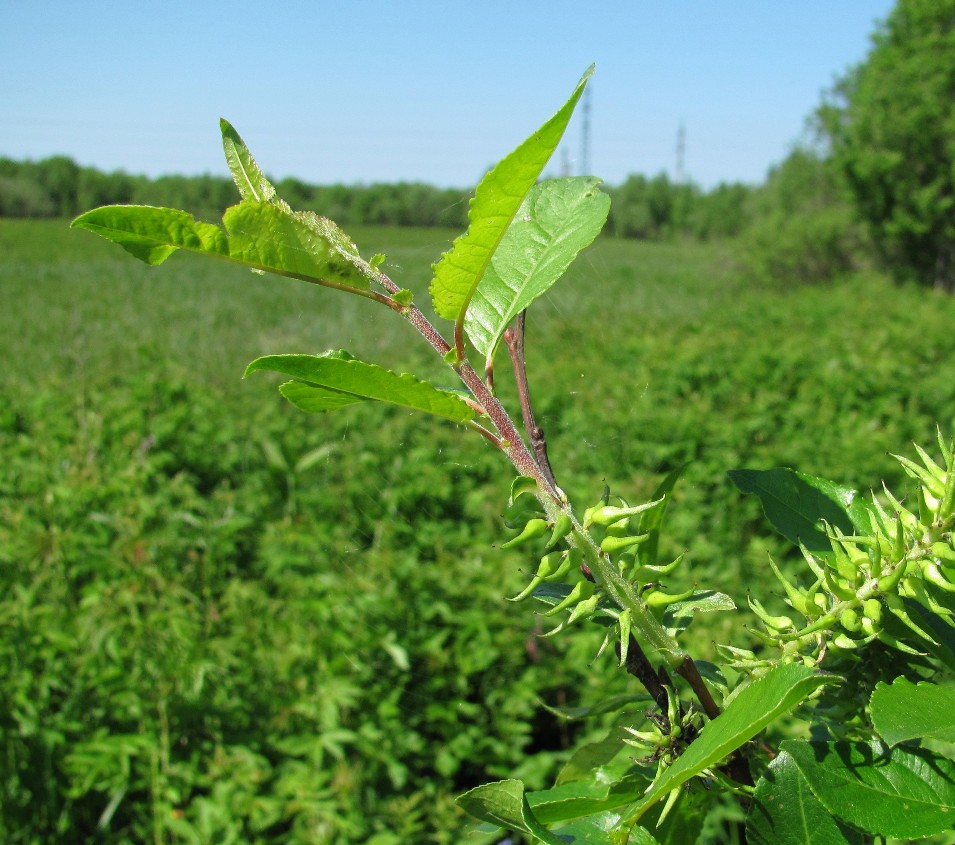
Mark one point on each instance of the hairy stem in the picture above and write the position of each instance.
(510, 443)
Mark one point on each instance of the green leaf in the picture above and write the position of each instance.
(495, 202)
(503, 803)
(785, 812)
(679, 615)
(751, 709)
(557, 219)
(598, 830)
(599, 759)
(903, 792)
(585, 797)
(248, 177)
(903, 711)
(260, 235)
(335, 379)
(796, 503)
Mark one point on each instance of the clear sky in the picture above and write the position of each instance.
(433, 90)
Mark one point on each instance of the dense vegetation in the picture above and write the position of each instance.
(181, 664)
(889, 125)
(185, 660)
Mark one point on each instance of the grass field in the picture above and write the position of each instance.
(227, 621)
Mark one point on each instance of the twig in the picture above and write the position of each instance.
(639, 665)
(514, 338)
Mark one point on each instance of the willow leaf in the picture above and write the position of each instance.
(496, 201)
(903, 711)
(335, 379)
(248, 176)
(260, 235)
(557, 219)
(504, 803)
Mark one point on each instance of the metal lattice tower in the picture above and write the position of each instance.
(680, 154)
(584, 164)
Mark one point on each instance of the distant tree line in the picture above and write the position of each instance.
(646, 208)
(874, 185)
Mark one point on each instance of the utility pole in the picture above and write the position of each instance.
(680, 175)
(585, 136)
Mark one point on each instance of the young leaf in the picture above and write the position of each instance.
(248, 177)
(335, 379)
(585, 798)
(751, 710)
(903, 792)
(262, 236)
(651, 521)
(557, 219)
(597, 830)
(495, 202)
(503, 803)
(785, 812)
(903, 711)
(796, 503)
(679, 615)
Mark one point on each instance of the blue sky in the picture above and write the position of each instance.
(431, 91)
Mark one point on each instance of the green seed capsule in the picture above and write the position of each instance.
(562, 527)
(650, 571)
(775, 624)
(615, 545)
(656, 600)
(535, 528)
(943, 551)
(934, 575)
(840, 640)
(872, 609)
(583, 609)
(850, 620)
(888, 583)
(581, 590)
(607, 515)
(838, 586)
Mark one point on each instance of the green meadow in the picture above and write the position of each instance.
(222, 620)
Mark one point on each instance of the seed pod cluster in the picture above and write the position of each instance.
(562, 579)
(892, 580)
(667, 734)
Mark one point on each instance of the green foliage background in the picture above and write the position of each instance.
(225, 621)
